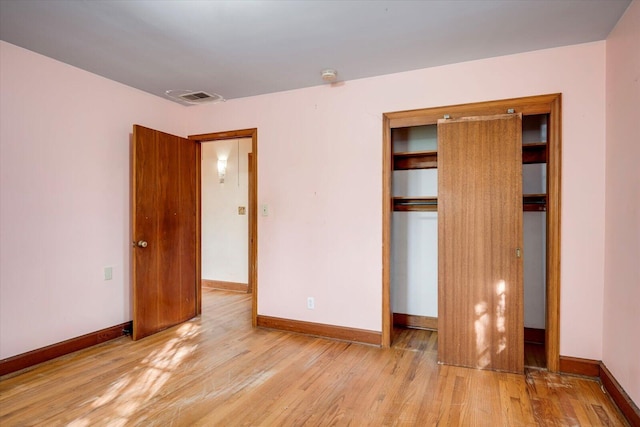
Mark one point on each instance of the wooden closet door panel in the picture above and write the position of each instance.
(480, 291)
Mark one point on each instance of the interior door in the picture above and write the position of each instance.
(164, 227)
(480, 284)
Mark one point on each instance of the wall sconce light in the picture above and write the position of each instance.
(222, 169)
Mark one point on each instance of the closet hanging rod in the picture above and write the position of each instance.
(415, 204)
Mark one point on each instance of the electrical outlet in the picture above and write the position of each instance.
(311, 303)
(108, 273)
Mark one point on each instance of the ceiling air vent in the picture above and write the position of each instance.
(193, 97)
(196, 96)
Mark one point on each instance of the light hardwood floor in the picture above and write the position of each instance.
(218, 371)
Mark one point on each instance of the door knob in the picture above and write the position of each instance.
(142, 243)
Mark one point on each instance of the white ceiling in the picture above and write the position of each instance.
(245, 48)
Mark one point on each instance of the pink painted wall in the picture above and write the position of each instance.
(64, 197)
(65, 189)
(621, 345)
(320, 162)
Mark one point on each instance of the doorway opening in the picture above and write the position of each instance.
(225, 214)
(227, 179)
(410, 149)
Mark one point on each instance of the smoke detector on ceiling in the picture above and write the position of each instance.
(193, 97)
(329, 75)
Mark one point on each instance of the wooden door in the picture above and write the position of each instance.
(164, 227)
(480, 291)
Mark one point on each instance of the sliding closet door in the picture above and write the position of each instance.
(480, 291)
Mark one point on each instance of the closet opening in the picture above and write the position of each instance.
(411, 304)
(534, 188)
(414, 234)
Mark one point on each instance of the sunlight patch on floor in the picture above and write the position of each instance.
(132, 390)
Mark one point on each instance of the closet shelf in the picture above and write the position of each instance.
(415, 160)
(412, 204)
(534, 202)
(531, 153)
(534, 153)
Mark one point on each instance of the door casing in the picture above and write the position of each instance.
(542, 104)
(253, 214)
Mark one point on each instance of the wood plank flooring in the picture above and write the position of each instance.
(217, 371)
